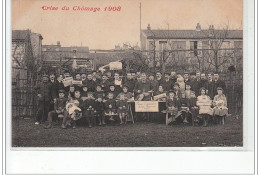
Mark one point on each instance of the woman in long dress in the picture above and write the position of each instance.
(220, 106)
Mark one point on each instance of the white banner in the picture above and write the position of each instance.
(115, 66)
(67, 81)
(146, 106)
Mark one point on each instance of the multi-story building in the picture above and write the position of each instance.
(191, 46)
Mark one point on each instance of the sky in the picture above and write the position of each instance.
(105, 29)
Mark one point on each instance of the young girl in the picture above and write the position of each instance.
(122, 108)
(220, 106)
(204, 103)
(74, 108)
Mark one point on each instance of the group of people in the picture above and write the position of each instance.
(99, 97)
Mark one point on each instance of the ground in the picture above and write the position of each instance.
(140, 134)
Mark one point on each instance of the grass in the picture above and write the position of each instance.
(140, 134)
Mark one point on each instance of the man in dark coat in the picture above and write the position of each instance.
(211, 86)
(167, 83)
(203, 81)
(90, 83)
(218, 83)
(44, 97)
(130, 82)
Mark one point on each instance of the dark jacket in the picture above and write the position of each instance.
(60, 103)
(221, 84)
(130, 84)
(45, 90)
(111, 102)
(89, 102)
(91, 85)
(167, 85)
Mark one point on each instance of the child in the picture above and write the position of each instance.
(172, 105)
(204, 103)
(127, 95)
(220, 106)
(112, 90)
(100, 111)
(122, 108)
(176, 91)
(59, 109)
(84, 93)
(184, 111)
(99, 92)
(193, 107)
(71, 91)
(89, 108)
(187, 90)
(110, 105)
(74, 108)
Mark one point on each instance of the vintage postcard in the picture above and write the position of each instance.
(129, 74)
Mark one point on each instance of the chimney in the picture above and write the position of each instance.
(58, 43)
(198, 27)
(148, 27)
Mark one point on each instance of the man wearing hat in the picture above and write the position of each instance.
(59, 109)
(166, 83)
(218, 83)
(43, 91)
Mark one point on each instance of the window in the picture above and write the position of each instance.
(162, 45)
(194, 47)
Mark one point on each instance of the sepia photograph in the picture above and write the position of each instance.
(132, 73)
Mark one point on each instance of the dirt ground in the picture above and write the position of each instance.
(140, 134)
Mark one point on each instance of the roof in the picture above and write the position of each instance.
(189, 34)
(20, 34)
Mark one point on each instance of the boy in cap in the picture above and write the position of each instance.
(89, 106)
(100, 107)
(44, 97)
(59, 109)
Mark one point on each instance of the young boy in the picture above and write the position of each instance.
(100, 111)
(112, 90)
(99, 92)
(193, 106)
(172, 105)
(187, 90)
(59, 109)
(84, 93)
(89, 106)
(122, 108)
(183, 110)
(110, 105)
(71, 91)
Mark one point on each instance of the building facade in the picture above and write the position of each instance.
(193, 47)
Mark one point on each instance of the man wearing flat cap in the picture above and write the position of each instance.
(44, 97)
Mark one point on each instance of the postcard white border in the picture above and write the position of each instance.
(140, 160)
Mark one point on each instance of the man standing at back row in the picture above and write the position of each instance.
(43, 91)
(218, 83)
